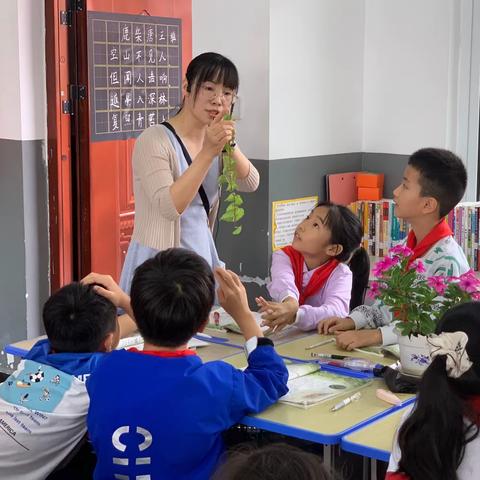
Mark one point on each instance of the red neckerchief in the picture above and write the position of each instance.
(165, 353)
(439, 231)
(474, 403)
(319, 277)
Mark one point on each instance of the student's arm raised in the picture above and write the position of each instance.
(106, 286)
(233, 298)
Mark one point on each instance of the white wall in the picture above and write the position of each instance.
(240, 31)
(10, 111)
(407, 74)
(316, 80)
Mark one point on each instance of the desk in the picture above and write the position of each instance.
(208, 353)
(278, 338)
(296, 350)
(317, 424)
(376, 439)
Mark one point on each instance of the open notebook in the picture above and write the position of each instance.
(309, 385)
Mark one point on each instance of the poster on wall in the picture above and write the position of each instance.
(134, 73)
(286, 215)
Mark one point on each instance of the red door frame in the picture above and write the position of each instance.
(69, 166)
(58, 146)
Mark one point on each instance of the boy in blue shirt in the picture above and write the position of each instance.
(44, 403)
(160, 413)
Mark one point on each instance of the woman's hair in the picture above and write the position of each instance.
(347, 231)
(211, 67)
(432, 440)
(277, 461)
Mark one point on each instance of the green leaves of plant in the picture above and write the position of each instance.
(228, 179)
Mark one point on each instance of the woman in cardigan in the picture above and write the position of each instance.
(176, 167)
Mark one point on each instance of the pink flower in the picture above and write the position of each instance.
(437, 283)
(476, 296)
(401, 250)
(375, 290)
(469, 283)
(384, 265)
(418, 266)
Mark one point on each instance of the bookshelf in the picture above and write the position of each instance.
(383, 230)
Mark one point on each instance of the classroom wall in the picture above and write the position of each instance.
(316, 77)
(351, 85)
(24, 282)
(407, 81)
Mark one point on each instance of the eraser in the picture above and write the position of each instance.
(387, 396)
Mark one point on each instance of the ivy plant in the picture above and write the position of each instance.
(228, 179)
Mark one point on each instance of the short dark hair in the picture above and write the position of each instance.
(277, 461)
(171, 296)
(211, 67)
(77, 319)
(442, 176)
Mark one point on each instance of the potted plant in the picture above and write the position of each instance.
(417, 301)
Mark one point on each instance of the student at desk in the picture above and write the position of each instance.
(439, 439)
(173, 406)
(44, 403)
(434, 181)
(324, 272)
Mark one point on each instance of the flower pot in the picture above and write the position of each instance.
(414, 354)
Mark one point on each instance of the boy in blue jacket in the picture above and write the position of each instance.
(160, 413)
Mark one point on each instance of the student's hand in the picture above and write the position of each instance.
(358, 339)
(334, 324)
(233, 298)
(108, 288)
(217, 134)
(277, 315)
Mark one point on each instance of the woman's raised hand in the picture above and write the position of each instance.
(218, 133)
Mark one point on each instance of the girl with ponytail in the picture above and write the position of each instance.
(323, 273)
(439, 439)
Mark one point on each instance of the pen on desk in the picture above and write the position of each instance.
(375, 354)
(329, 356)
(319, 344)
(346, 401)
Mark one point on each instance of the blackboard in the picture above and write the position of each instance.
(134, 73)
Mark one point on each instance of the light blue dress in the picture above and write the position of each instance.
(195, 233)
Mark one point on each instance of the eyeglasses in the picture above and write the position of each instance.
(210, 93)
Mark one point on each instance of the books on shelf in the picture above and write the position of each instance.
(383, 230)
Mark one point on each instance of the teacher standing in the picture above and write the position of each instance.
(176, 166)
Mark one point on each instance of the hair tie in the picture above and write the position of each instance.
(453, 346)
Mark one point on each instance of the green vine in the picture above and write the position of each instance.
(234, 211)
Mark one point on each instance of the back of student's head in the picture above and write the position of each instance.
(171, 296)
(433, 439)
(77, 319)
(347, 231)
(277, 461)
(442, 176)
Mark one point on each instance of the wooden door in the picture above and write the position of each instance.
(146, 38)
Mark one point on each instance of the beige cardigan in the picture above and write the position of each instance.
(155, 168)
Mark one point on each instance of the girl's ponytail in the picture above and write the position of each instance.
(359, 264)
(432, 439)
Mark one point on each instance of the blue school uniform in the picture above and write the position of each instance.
(162, 417)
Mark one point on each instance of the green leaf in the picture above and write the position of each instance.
(228, 217)
(237, 230)
(234, 198)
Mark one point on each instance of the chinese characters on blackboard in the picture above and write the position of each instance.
(135, 73)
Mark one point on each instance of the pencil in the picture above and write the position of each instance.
(319, 344)
(369, 353)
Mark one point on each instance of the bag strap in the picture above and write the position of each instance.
(201, 190)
